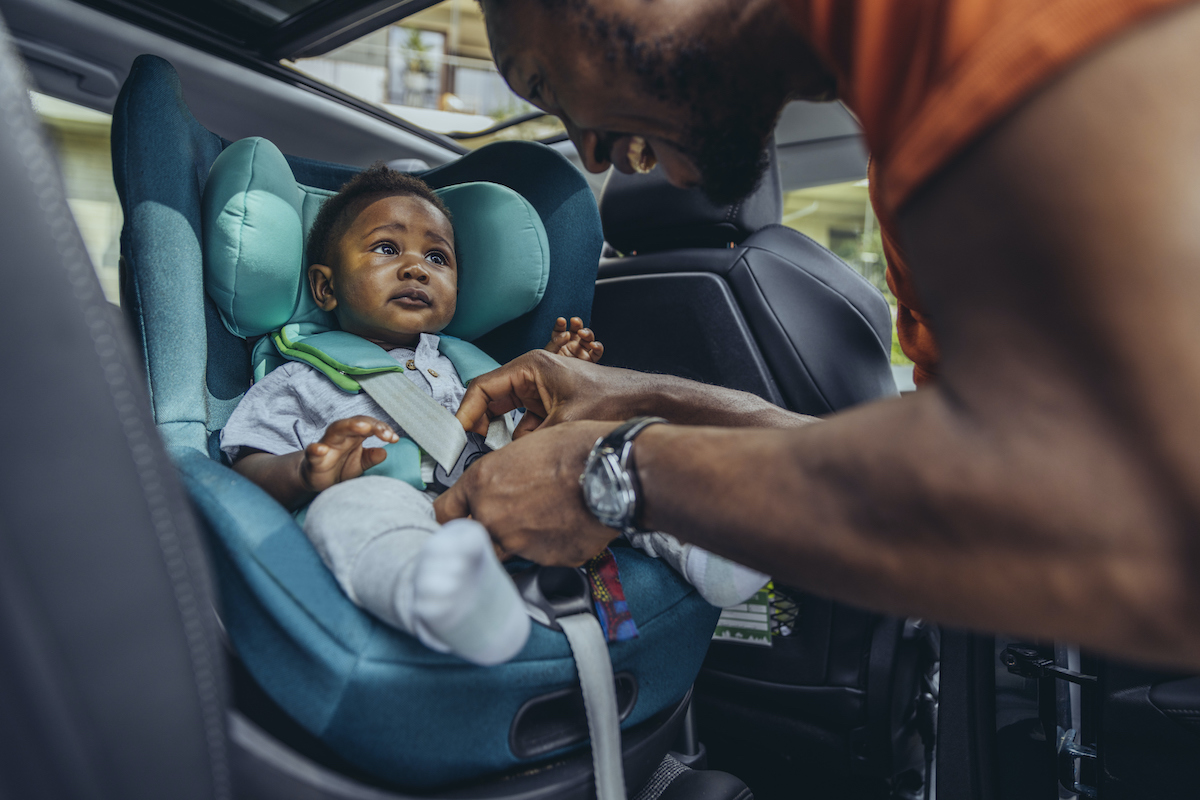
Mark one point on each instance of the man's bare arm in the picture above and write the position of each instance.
(560, 390)
(1050, 485)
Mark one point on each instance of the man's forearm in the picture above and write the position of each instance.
(916, 506)
(688, 402)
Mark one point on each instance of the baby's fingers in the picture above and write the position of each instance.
(558, 337)
(597, 351)
(349, 432)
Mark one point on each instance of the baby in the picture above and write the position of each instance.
(384, 265)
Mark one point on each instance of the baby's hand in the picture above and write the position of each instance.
(575, 342)
(340, 456)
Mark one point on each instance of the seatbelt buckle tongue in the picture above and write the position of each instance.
(476, 449)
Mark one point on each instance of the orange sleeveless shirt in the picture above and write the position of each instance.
(927, 77)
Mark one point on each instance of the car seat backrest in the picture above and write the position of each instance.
(727, 295)
(196, 368)
(257, 217)
(646, 214)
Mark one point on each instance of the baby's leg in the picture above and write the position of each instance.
(718, 580)
(441, 583)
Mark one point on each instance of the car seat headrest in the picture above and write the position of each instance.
(256, 218)
(644, 213)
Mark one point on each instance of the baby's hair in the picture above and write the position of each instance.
(377, 180)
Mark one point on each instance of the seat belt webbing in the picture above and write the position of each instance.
(424, 420)
(433, 428)
(590, 649)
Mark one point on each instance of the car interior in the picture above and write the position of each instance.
(133, 634)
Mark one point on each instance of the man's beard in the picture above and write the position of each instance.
(731, 115)
(731, 156)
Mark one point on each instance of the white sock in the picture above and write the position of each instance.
(460, 599)
(718, 580)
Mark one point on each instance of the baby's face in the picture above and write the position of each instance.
(397, 276)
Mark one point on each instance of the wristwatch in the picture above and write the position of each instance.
(610, 486)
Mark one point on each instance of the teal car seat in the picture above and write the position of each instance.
(375, 698)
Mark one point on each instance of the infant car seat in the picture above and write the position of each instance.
(374, 697)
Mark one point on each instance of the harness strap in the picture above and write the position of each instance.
(424, 420)
(590, 649)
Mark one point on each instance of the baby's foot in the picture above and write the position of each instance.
(574, 341)
(463, 600)
(720, 581)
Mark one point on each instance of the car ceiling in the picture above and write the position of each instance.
(817, 143)
(269, 29)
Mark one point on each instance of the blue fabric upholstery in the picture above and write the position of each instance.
(377, 697)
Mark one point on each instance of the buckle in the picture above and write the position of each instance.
(553, 592)
(476, 449)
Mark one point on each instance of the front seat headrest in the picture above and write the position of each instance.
(645, 213)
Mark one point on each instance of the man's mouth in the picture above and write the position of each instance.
(631, 154)
(641, 155)
(413, 298)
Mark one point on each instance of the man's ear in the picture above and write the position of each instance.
(320, 283)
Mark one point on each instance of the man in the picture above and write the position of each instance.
(1038, 161)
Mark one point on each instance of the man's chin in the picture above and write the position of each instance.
(724, 186)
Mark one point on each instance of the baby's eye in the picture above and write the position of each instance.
(385, 249)
(437, 257)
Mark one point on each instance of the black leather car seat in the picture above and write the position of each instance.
(727, 295)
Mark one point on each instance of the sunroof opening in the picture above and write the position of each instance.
(270, 12)
(434, 69)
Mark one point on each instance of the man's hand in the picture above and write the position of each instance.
(340, 454)
(574, 341)
(551, 389)
(527, 495)
(555, 390)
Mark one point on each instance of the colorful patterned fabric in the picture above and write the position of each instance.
(615, 619)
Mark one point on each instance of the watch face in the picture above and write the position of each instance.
(602, 491)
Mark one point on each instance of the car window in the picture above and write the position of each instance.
(839, 216)
(80, 139)
(434, 69)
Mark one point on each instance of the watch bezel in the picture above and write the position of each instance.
(617, 481)
(613, 453)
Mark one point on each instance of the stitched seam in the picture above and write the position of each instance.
(237, 261)
(858, 311)
(134, 277)
(75, 263)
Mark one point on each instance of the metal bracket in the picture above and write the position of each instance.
(1068, 745)
(1025, 660)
